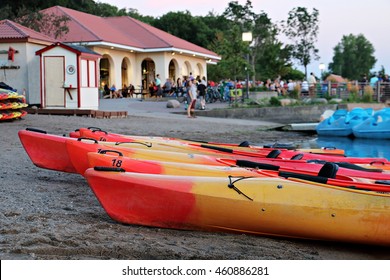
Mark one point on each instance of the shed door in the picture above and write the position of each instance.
(54, 81)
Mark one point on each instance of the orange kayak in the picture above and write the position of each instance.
(327, 174)
(260, 206)
(101, 135)
(70, 155)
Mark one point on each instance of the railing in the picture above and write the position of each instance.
(380, 91)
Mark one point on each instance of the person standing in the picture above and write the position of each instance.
(202, 93)
(158, 85)
(192, 96)
(312, 85)
(179, 87)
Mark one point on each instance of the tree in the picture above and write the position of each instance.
(49, 24)
(229, 42)
(185, 26)
(270, 57)
(302, 29)
(353, 57)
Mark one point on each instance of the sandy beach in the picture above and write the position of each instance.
(52, 215)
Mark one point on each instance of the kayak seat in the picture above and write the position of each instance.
(244, 144)
(273, 154)
(297, 156)
(383, 182)
(328, 170)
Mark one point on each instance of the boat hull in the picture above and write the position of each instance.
(263, 206)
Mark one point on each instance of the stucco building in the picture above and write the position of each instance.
(131, 51)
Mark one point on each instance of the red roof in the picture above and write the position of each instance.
(77, 49)
(10, 30)
(124, 31)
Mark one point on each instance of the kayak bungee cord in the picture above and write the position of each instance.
(232, 186)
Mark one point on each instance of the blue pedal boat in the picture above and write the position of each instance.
(342, 125)
(375, 127)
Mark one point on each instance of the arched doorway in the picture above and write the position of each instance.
(187, 69)
(148, 72)
(199, 72)
(172, 69)
(126, 72)
(106, 66)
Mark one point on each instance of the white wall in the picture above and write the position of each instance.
(26, 78)
(89, 98)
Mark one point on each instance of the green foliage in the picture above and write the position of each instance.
(293, 74)
(353, 97)
(187, 27)
(302, 28)
(368, 92)
(258, 89)
(49, 24)
(353, 57)
(274, 101)
(294, 93)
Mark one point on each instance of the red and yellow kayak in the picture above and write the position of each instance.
(70, 155)
(262, 206)
(327, 174)
(101, 135)
(6, 94)
(12, 105)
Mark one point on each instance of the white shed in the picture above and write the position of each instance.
(21, 70)
(69, 77)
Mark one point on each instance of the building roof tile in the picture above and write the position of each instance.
(122, 30)
(13, 30)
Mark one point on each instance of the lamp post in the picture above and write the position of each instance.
(322, 67)
(247, 37)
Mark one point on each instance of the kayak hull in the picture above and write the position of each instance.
(263, 206)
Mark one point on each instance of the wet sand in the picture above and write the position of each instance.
(52, 215)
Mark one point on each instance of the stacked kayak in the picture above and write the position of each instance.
(101, 135)
(11, 105)
(164, 182)
(341, 123)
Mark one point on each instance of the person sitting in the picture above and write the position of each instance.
(152, 89)
(167, 88)
(107, 92)
(125, 91)
(114, 93)
(131, 90)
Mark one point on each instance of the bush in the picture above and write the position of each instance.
(257, 89)
(295, 92)
(353, 97)
(274, 101)
(367, 94)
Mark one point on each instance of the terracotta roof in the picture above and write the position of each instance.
(12, 30)
(124, 31)
(73, 48)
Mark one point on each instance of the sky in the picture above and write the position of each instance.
(336, 19)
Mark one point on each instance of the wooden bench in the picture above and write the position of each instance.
(141, 92)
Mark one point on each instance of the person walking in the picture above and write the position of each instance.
(158, 85)
(312, 85)
(192, 96)
(202, 85)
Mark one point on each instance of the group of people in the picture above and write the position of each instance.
(113, 92)
(283, 87)
(189, 87)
